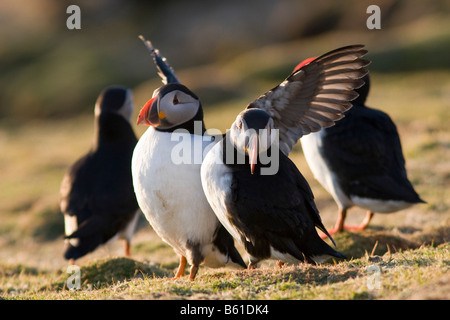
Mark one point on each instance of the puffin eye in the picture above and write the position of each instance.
(175, 100)
(239, 125)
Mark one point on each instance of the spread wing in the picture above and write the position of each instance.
(315, 95)
(165, 71)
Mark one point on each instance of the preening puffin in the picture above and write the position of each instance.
(360, 162)
(97, 196)
(256, 191)
(166, 176)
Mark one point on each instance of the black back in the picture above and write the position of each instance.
(365, 153)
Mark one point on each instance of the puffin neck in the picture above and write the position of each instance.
(190, 125)
(109, 128)
(237, 162)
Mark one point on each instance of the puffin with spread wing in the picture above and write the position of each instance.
(255, 190)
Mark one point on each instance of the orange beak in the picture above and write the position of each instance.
(253, 152)
(149, 113)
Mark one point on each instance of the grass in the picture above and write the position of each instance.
(392, 275)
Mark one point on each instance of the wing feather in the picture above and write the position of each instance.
(315, 95)
(165, 71)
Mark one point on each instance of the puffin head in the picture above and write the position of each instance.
(252, 133)
(115, 99)
(171, 106)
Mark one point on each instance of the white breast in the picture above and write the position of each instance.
(380, 206)
(71, 225)
(216, 180)
(169, 191)
(310, 145)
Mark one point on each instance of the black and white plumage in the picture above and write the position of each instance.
(167, 183)
(272, 212)
(360, 162)
(165, 71)
(97, 197)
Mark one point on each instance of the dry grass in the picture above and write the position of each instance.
(399, 275)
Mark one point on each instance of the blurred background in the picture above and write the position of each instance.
(50, 71)
(228, 52)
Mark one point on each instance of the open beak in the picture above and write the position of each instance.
(253, 151)
(149, 113)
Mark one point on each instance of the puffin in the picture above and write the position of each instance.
(166, 176)
(96, 196)
(255, 190)
(360, 162)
